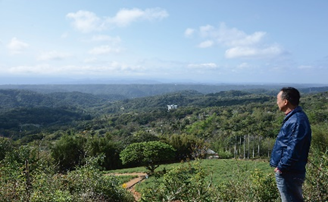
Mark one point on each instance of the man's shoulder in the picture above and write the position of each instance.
(297, 113)
(295, 118)
(298, 119)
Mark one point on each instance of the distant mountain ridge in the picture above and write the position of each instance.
(32, 111)
(124, 91)
(10, 99)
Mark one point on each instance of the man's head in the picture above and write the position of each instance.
(288, 98)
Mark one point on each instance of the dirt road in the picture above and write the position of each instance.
(134, 181)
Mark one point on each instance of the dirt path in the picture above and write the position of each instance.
(131, 183)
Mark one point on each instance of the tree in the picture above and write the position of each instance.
(187, 146)
(5, 146)
(149, 154)
(69, 151)
(105, 145)
(141, 136)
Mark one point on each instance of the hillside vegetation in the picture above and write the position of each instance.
(46, 135)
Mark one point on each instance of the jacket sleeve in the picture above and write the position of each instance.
(291, 154)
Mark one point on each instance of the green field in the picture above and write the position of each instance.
(217, 171)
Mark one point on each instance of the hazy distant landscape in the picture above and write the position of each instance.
(144, 90)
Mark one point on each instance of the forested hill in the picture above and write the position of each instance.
(185, 99)
(112, 103)
(121, 91)
(36, 112)
(10, 99)
(25, 112)
(15, 99)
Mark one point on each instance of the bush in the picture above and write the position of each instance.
(86, 183)
(5, 146)
(264, 186)
(183, 183)
(189, 182)
(69, 151)
(225, 155)
(316, 183)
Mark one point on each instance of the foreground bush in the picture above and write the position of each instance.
(183, 183)
(316, 183)
(189, 182)
(39, 183)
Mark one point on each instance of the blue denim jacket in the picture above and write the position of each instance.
(290, 151)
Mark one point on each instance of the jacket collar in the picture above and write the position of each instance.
(297, 109)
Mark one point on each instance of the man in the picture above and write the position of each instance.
(290, 152)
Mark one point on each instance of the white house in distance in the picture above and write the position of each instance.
(169, 107)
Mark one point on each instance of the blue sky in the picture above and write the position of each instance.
(212, 41)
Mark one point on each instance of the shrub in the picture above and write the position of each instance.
(183, 183)
(225, 155)
(316, 183)
(87, 183)
(263, 186)
(5, 146)
(189, 182)
(20, 183)
(69, 151)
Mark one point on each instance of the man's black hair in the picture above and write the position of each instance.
(291, 94)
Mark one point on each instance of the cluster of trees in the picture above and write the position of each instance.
(143, 149)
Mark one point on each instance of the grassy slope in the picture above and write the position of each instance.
(225, 169)
(219, 170)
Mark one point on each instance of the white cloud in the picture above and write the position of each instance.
(206, 31)
(246, 40)
(16, 46)
(126, 16)
(53, 55)
(189, 32)
(155, 14)
(105, 49)
(206, 44)
(204, 66)
(230, 36)
(111, 69)
(238, 43)
(234, 37)
(87, 21)
(90, 60)
(37, 69)
(253, 52)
